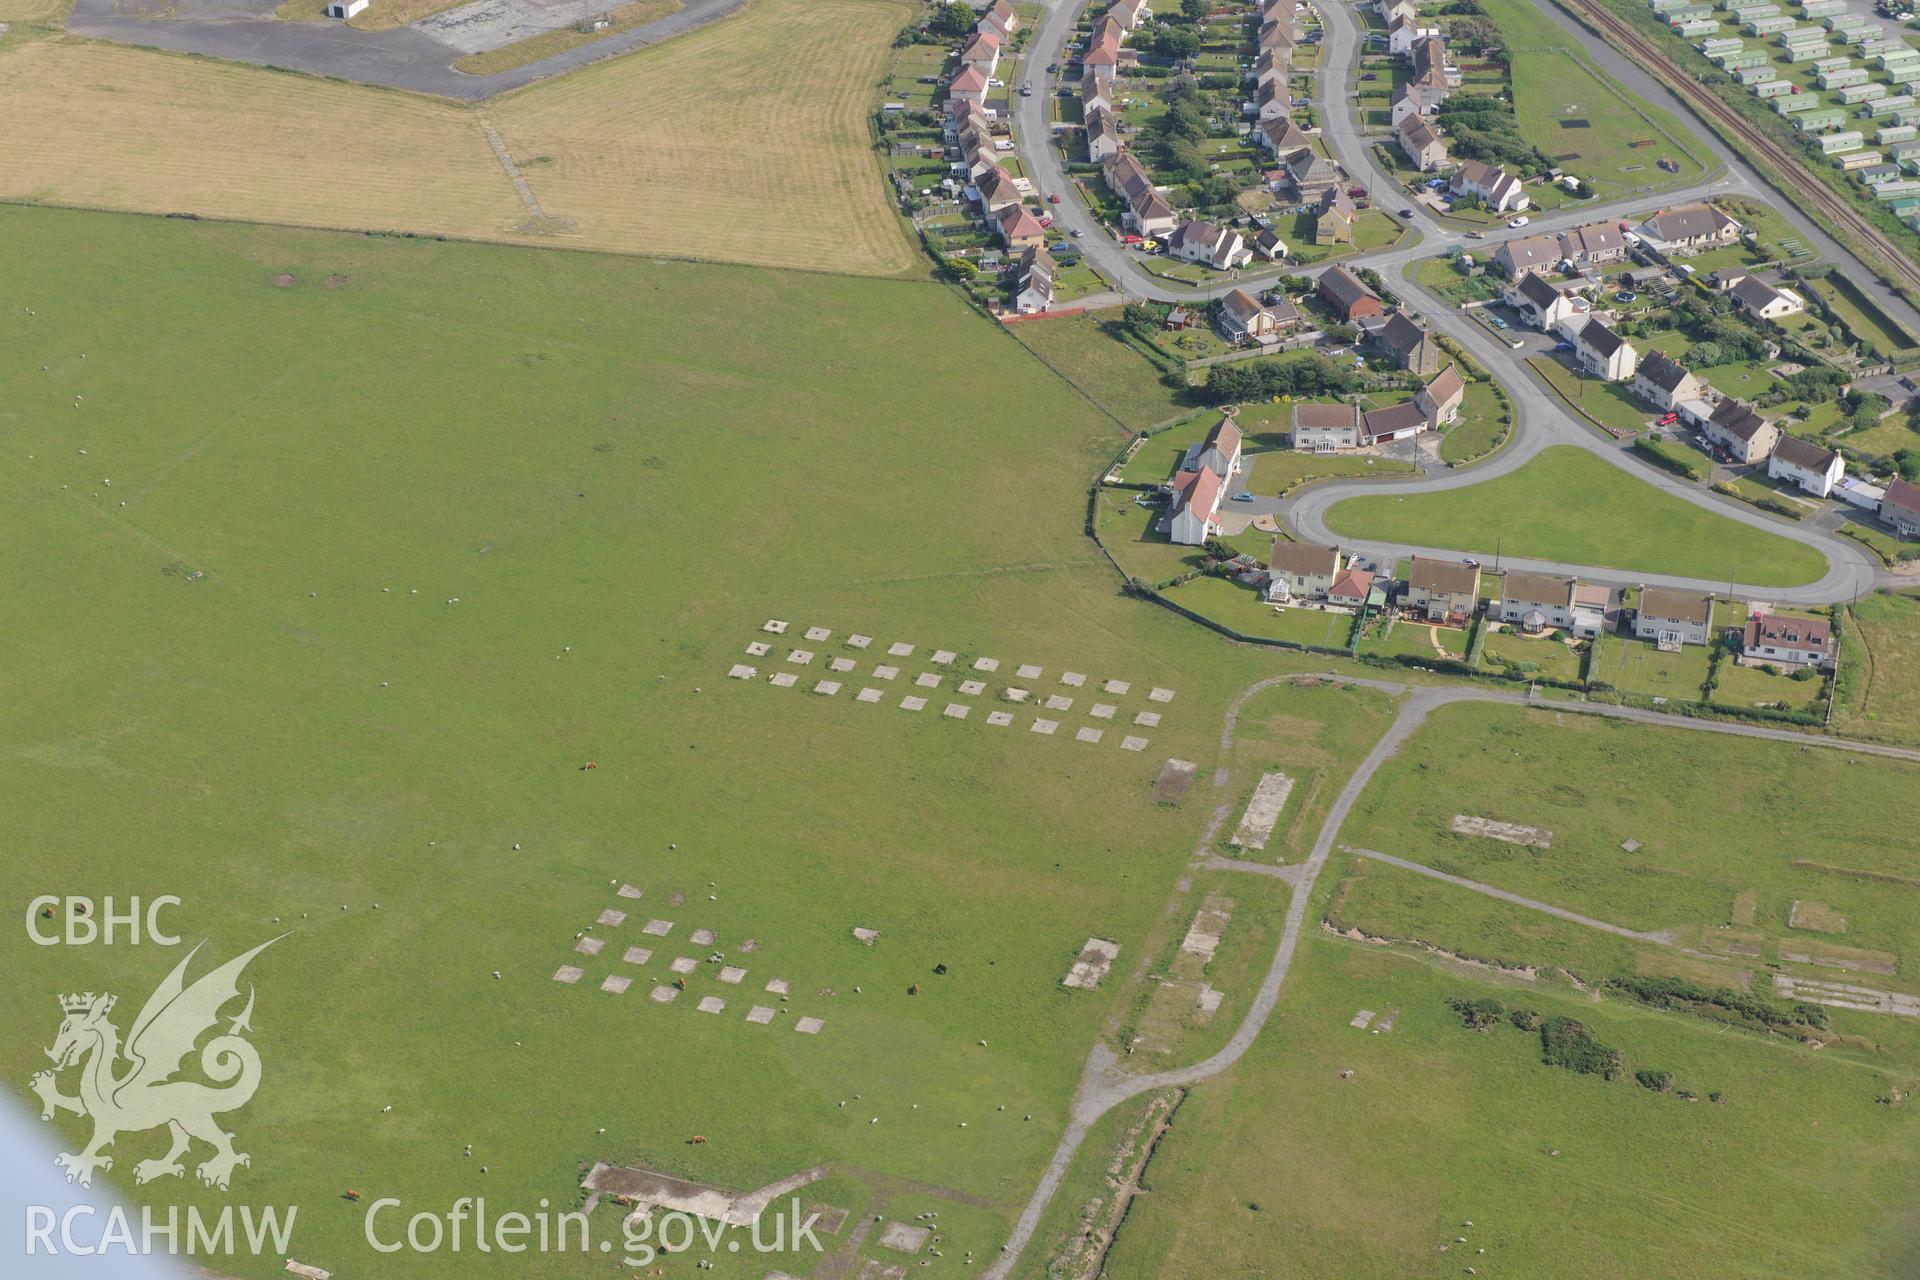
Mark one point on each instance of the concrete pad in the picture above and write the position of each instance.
(913, 704)
(1263, 810)
(1147, 719)
(972, 688)
(1116, 687)
(1361, 1019)
(864, 935)
(1175, 777)
(701, 937)
(778, 986)
(843, 664)
(664, 994)
(1045, 726)
(610, 916)
(1018, 695)
(999, 717)
(778, 626)
(1027, 671)
(589, 946)
(1072, 679)
(1209, 1000)
(857, 641)
(1103, 711)
(819, 633)
(568, 973)
(1096, 957)
(711, 1004)
(1511, 832)
(808, 1026)
(867, 695)
(684, 964)
(827, 688)
(614, 984)
(784, 679)
(1057, 703)
(637, 955)
(658, 928)
(741, 671)
(759, 649)
(1160, 695)
(941, 657)
(986, 664)
(1132, 743)
(900, 649)
(927, 680)
(903, 1237)
(884, 672)
(800, 657)
(732, 974)
(760, 1014)
(956, 711)
(629, 891)
(1088, 734)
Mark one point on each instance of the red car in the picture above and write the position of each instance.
(1046, 221)
(1129, 239)
(1054, 198)
(1667, 420)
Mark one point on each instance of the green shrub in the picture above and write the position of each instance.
(1567, 1043)
(1658, 1081)
(1478, 1015)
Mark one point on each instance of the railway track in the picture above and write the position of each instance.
(1841, 214)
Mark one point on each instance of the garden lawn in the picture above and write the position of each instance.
(1504, 651)
(1569, 506)
(1417, 640)
(1241, 608)
(1482, 425)
(1609, 403)
(1638, 666)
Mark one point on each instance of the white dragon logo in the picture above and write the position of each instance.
(145, 1095)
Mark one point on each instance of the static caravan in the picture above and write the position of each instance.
(1771, 88)
(1814, 10)
(1695, 27)
(1767, 26)
(1838, 62)
(1854, 95)
(1748, 12)
(1750, 76)
(1841, 79)
(1795, 102)
(1711, 49)
(1878, 174)
(1820, 121)
(1889, 106)
(1904, 151)
(1903, 206)
(1896, 57)
(1891, 191)
(1857, 160)
(1799, 35)
(1905, 73)
(1894, 133)
(1744, 60)
(1834, 144)
(1814, 52)
(1860, 36)
(1662, 6)
(1844, 21)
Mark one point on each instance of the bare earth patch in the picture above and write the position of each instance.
(1817, 917)
(1511, 832)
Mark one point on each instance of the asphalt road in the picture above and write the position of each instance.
(403, 58)
(1541, 420)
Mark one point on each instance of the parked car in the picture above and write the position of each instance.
(1026, 89)
(1368, 75)
(1054, 198)
(1243, 497)
(1052, 67)
(1669, 418)
(1498, 323)
(1563, 345)
(1520, 221)
(1129, 238)
(1075, 233)
(1470, 562)
(1406, 213)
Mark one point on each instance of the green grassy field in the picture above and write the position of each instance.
(1713, 821)
(1570, 506)
(1115, 376)
(1378, 1173)
(1573, 112)
(1880, 685)
(351, 553)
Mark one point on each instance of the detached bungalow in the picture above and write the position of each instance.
(1689, 229)
(1786, 641)
(1814, 469)
(1244, 318)
(1442, 590)
(1673, 618)
(1762, 301)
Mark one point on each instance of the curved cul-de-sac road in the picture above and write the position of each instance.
(1541, 420)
